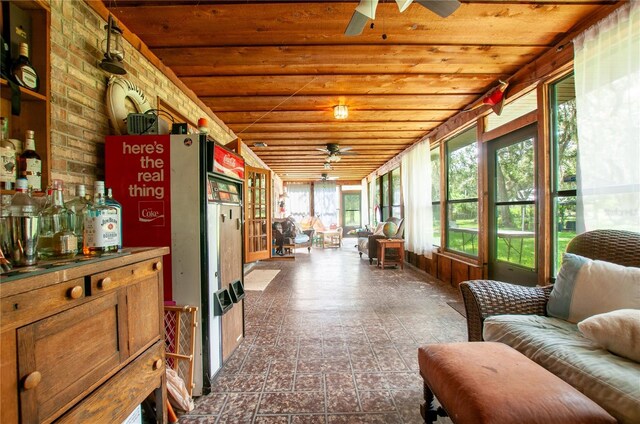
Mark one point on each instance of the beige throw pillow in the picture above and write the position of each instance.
(617, 331)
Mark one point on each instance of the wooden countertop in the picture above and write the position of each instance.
(46, 273)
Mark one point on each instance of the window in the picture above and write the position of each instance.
(396, 193)
(515, 109)
(389, 194)
(325, 202)
(299, 201)
(564, 139)
(462, 193)
(435, 194)
(351, 207)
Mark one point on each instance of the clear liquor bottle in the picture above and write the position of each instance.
(101, 226)
(30, 163)
(113, 202)
(57, 239)
(22, 71)
(78, 205)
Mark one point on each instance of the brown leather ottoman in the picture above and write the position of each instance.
(485, 382)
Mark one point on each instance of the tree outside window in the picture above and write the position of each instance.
(462, 193)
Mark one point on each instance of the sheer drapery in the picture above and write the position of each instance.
(364, 203)
(299, 200)
(325, 202)
(374, 209)
(416, 190)
(607, 75)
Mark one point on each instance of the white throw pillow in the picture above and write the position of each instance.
(585, 287)
(379, 229)
(617, 331)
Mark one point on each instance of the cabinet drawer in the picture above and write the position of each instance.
(26, 307)
(63, 357)
(125, 275)
(117, 398)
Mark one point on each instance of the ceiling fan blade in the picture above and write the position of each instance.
(443, 8)
(345, 149)
(356, 24)
(403, 4)
(364, 11)
(348, 153)
(323, 149)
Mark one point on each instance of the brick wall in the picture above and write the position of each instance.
(79, 119)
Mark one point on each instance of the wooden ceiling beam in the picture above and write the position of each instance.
(287, 85)
(349, 59)
(329, 137)
(339, 126)
(324, 23)
(444, 101)
(234, 118)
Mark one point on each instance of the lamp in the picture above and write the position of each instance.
(340, 111)
(113, 50)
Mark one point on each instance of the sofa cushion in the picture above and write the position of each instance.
(609, 380)
(585, 287)
(617, 331)
(379, 229)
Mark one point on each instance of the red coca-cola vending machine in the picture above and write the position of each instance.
(185, 192)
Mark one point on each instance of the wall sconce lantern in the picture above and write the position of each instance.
(113, 50)
(340, 112)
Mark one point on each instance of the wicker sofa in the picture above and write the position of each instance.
(517, 315)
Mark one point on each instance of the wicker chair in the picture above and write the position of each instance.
(483, 298)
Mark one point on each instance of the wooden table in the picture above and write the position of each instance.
(383, 245)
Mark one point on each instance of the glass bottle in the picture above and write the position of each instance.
(101, 226)
(30, 163)
(57, 239)
(22, 71)
(8, 164)
(78, 205)
(25, 224)
(113, 202)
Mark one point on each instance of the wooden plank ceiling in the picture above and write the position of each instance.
(273, 70)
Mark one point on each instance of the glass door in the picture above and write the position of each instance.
(257, 214)
(351, 211)
(512, 207)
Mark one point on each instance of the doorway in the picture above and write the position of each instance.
(512, 207)
(351, 211)
(257, 212)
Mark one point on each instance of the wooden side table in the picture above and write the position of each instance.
(383, 245)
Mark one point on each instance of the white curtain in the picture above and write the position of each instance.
(607, 75)
(374, 211)
(325, 202)
(364, 203)
(299, 200)
(416, 190)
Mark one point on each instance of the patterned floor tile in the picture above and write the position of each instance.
(332, 340)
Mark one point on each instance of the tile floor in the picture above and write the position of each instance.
(332, 339)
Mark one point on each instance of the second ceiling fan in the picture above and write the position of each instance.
(367, 10)
(334, 152)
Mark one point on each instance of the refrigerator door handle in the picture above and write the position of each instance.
(223, 216)
(237, 223)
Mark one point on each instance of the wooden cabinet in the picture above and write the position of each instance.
(34, 106)
(83, 342)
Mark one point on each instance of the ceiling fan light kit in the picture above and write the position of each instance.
(340, 112)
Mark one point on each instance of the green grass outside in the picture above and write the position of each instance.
(525, 259)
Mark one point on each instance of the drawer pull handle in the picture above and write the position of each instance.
(105, 283)
(157, 364)
(75, 292)
(32, 380)
(157, 266)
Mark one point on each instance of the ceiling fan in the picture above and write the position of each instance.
(367, 10)
(327, 177)
(334, 152)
